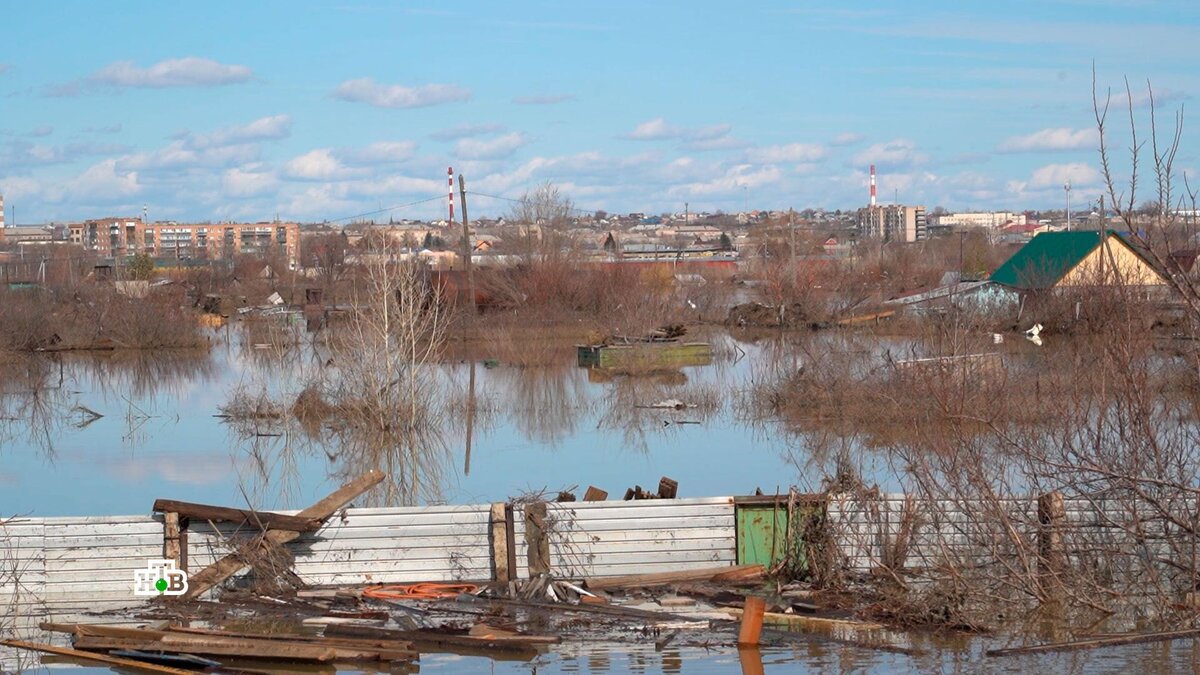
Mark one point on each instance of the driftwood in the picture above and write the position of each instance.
(1095, 643)
(96, 658)
(730, 573)
(233, 563)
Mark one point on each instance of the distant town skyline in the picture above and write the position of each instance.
(317, 112)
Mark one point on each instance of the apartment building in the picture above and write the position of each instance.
(111, 237)
(892, 222)
(988, 219)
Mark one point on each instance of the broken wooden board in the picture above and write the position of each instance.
(429, 637)
(96, 658)
(233, 563)
(262, 520)
(1096, 643)
(281, 651)
(741, 572)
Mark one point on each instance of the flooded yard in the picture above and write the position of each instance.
(107, 434)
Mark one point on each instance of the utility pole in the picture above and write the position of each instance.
(1067, 188)
(462, 191)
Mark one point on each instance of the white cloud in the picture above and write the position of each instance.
(366, 90)
(730, 185)
(379, 152)
(1057, 175)
(543, 99)
(110, 129)
(710, 144)
(274, 127)
(658, 129)
(1052, 139)
(894, 154)
(790, 153)
(249, 181)
(4, 68)
(40, 131)
(466, 131)
(228, 147)
(186, 72)
(318, 164)
(181, 155)
(190, 71)
(495, 148)
(847, 138)
(25, 153)
(104, 181)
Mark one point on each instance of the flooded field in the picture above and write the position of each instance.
(107, 434)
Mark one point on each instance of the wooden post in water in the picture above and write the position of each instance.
(537, 538)
(499, 541)
(1052, 557)
(752, 620)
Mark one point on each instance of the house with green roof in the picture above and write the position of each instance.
(1074, 259)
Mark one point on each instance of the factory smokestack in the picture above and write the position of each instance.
(872, 185)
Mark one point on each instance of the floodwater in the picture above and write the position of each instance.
(108, 434)
(548, 427)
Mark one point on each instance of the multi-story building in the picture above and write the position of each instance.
(992, 219)
(892, 222)
(114, 237)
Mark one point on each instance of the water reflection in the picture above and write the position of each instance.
(537, 420)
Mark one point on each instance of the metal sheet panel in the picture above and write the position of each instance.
(595, 539)
(376, 546)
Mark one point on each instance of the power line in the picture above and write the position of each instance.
(385, 210)
(520, 201)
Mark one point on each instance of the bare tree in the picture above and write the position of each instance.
(546, 211)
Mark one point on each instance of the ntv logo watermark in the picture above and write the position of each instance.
(160, 578)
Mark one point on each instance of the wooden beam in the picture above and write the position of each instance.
(499, 542)
(233, 563)
(96, 658)
(594, 494)
(537, 538)
(259, 649)
(421, 638)
(262, 520)
(665, 578)
(1094, 643)
(171, 537)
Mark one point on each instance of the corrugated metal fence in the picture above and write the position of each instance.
(596, 539)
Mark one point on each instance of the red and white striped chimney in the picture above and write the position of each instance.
(872, 185)
(450, 182)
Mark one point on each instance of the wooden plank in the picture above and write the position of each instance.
(536, 538)
(427, 638)
(286, 651)
(499, 543)
(232, 563)
(807, 621)
(664, 578)
(96, 658)
(261, 520)
(171, 537)
(1096, 643)
(594, 494)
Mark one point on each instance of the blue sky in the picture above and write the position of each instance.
(315, 111)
